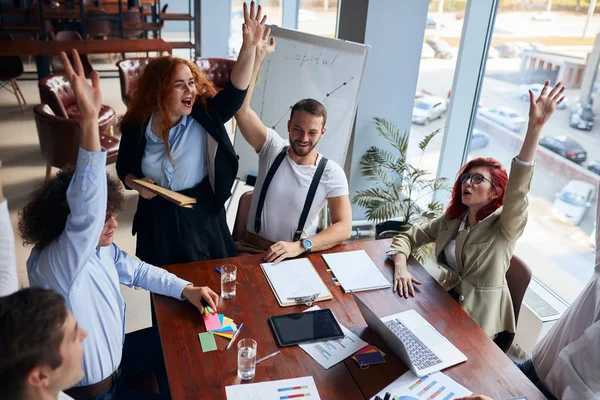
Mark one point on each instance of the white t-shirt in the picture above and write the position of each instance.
(287, 192)
(567, 359)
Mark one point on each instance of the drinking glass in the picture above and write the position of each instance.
(246, 359)
(228, 284)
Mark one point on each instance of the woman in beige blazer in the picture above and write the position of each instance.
(476, 236)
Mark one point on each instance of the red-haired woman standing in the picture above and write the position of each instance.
(475, 238)
(173, 134)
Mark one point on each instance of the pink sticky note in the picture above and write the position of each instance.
(212, 322)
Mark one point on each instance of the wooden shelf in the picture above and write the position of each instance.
(21, 28)
(175, 17)
(181, 45)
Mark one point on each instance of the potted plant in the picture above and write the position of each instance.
(394, 202)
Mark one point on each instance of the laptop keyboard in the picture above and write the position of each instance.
(419, 354)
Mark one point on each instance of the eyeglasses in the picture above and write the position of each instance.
(476, 179)
(109, 215)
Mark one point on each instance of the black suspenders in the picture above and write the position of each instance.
(312, 190)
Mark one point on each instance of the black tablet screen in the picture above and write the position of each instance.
(306, 327)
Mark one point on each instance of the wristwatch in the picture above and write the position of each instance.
(307, 244)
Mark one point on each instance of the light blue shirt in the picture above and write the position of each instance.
(187, 141)
(89, 277)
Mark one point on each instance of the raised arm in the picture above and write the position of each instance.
(251, 127)
(87, 192)
(514, 212)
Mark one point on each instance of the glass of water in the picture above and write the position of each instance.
(228, 284)
(246, 359)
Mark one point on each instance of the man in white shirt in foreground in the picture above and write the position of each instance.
(279, 228)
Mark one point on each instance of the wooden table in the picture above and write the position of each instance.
(194, 374)
(41, 49)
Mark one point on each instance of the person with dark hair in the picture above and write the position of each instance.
(173, 135)
(476, 236)
(294, 180)
(41, 346)
(70, 220)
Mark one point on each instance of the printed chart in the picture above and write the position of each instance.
(437, 386)
(284, 389)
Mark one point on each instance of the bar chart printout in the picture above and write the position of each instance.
(437, 386)
(297, 388)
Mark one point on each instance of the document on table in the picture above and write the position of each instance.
(275, 390)
(330, 352)
(355, 271)
(297, 278)
(434, 386)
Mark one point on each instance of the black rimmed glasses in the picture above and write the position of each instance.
(109, 215)
(476, 179)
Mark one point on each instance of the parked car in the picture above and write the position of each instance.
(427, 51)
(536, 88)
(523, 46)
(582, 117)
(493, 53)
(479, 140)
(427, 109)
(504, 116)
(509, 50)
(431, 23)
(564, 146)
(573, 201)
(594, 166)
(538, 47)
(441, 47)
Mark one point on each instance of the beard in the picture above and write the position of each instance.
(301, 151)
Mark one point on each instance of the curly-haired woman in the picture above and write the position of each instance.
(173, 134)
(476, 236)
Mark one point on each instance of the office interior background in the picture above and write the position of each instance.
(462, 67)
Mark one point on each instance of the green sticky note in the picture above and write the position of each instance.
(207, 341)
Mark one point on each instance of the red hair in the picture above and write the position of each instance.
(154, 88)
(498, 176)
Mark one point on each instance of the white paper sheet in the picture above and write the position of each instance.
(295, 278)
(330, 352)
(436, 386)
(275, 390)
(355, 271)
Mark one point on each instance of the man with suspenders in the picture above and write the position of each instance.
(294, 181)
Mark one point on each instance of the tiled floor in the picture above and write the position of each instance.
(23, 168)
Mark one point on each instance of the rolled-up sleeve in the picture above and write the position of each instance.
(226, 103)
(133, 272)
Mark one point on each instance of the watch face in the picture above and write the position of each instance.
(307, 244)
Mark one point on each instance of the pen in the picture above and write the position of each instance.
(234, 336)
(267, 357)
(218, 270)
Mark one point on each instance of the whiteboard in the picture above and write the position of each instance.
(307, 66)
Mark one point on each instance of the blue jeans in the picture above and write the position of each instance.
(142, 356)
(529, 371)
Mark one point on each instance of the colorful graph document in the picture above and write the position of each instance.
(330, 352)
(284, 389)
(437, 386)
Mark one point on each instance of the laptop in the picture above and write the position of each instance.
(418, 344)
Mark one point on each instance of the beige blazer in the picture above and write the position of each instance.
(483, 253)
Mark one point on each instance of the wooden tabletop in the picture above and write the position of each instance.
(49, 48)
(194, 374)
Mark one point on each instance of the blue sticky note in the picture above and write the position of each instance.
(221, 316)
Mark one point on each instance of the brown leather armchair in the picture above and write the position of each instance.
(217, 69)
(56, 91)
(130, 71)
(59, 139)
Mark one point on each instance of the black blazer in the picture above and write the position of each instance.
(218, 110)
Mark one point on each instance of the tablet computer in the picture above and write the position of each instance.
(303, 327)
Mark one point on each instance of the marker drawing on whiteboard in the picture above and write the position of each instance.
(309, 58)
(322, 101)
(262, 107)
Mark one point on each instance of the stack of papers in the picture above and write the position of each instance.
(275, 390)
(355, 271)
(220, 330)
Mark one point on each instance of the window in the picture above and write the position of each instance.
(271, 8)
(528, 47)
(318, 17)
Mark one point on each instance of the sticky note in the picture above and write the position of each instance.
(226, 329)
(225, 335)
(212, 322)
(207, 341)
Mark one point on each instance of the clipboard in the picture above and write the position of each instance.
(295, 282)
(176, 198)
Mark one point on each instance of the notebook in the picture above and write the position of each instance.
(295, 279)
(355, 271)
(174, 197)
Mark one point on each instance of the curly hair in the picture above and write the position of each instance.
(498, 175)
(44, 218)
(154, 88)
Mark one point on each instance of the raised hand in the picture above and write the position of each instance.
(541, 110)
(265, 46)
(88, 97)
(254, 25)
